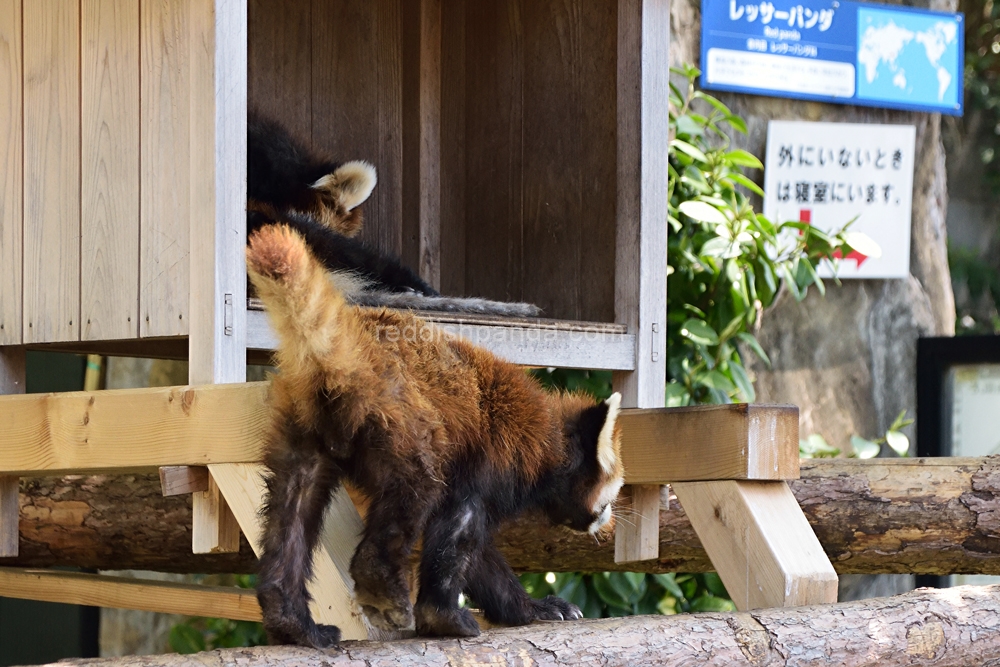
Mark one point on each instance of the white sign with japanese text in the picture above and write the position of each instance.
(828, 173)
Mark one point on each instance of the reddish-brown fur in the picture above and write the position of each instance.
(446, 440)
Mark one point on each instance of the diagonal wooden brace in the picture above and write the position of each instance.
(760, 543)
(9, 516)
(331, 588)
(214, 529)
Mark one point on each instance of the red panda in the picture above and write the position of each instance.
(445, 439)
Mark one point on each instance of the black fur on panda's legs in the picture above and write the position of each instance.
(495, 588)
(454, 534)
(381, 560)
(299, 485)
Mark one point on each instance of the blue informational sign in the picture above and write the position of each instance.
(835, 51)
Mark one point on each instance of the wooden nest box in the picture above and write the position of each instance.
(521, 150)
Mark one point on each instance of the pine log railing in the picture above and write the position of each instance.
(914, 516)
(948, 627)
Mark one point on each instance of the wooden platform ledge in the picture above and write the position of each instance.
(133, 430)
(955, 626)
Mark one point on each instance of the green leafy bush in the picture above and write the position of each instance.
(205, 634)
(725, 261)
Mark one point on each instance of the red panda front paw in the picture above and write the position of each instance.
(554, 608)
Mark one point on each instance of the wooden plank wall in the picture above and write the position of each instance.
(94, 169)
(165, 134)
(528, 123)
(531, 94)
(332, 72)
(109, 267)
(11, 162)
(51, 171)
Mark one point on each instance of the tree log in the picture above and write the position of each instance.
(923, 516)
(947, 628)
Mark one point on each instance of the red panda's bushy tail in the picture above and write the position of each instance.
(317, 330)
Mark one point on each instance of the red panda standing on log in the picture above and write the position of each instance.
(445, 439)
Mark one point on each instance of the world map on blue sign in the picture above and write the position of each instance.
(835, 51)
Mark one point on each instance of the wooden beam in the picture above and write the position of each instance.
(214, 529)
(760, 543)
(9, 516)
(181, 480)
(331, 587)
(637, 524)
(132, 429)
(122, 593)
(143, 429)
(710, 442)
(643, 82)
(11, 171)
(12, 381)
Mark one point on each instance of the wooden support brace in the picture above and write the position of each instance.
(760, 543)
(699, 443)
(9, 516)
(181, 480)
(331, 588)
(637, 531)
(214, 529)
(12, 380)
(123, 593)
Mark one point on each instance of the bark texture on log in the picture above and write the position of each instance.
(947, 628)
(882, 516)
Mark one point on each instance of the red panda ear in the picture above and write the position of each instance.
(351, 184)
(606, 455)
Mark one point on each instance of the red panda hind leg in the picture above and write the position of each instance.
(299, 485)
(381, 562)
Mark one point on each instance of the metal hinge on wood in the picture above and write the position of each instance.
(228, 315)
(656, 353)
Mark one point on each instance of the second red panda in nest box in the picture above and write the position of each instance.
(444, 438)
(319, 198)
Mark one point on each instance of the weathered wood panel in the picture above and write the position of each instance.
(280, 67)
(165, 136)
(357, 101)
(51, 171)
(494, 123)
(109, 224)
(569, 157)
(452, 196)
(11, 163)
(528, 153)
(422, 138)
